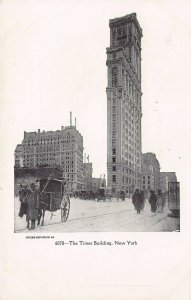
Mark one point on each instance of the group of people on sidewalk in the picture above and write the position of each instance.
(157, 201)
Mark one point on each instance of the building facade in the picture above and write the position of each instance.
(170, 175)
(150, 172)
(163, 183)
(165, 178)
(87, 176)
(124, 104)
(54, 148)
(98, 183)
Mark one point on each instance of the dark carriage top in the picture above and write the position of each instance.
(51, 185)
(51, 191)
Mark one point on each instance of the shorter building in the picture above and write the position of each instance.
(165, 178)
(62, 148)
(98, 183)
(171, 176)
(163, 183)
(150, 172)
(87, 176)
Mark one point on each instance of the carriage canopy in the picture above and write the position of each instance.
(51, 185)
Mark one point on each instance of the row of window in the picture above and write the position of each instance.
(68, 136)
(34, 143)
(148, 187)
(126, 149)
(144, 181)
(128, 180)
(128, 171)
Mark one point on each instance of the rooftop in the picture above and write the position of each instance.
(125, 19)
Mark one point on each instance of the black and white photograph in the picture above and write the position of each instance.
(96, 143)
(136, 190)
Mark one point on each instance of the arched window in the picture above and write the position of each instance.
(114, 76)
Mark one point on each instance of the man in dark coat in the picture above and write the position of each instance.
(23, 197)
(160, 201)
(33, 206)
(137, 201)
(143, 199)
(153, 201)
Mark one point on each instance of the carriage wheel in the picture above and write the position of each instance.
(65, 211)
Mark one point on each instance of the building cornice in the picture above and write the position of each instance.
(124, 20)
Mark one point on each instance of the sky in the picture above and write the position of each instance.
(53, 61)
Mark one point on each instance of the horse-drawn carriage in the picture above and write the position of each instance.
(104, 193)
(51, 197)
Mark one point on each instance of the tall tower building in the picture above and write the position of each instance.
(124, 104)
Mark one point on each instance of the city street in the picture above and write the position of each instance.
(110, 216)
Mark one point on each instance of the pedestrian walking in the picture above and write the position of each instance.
(137, 201)
(33, 207)
(160, 201)
(153, 201)
(143, 199)
(23, 198)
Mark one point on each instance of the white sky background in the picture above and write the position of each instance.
(53, 58)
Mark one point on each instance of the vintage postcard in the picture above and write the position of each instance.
(95, 152)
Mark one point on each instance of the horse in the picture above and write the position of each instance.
(44, 204)
(24, 194)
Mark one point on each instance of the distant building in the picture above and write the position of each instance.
(124, 110)
(165, 178)
(62, 148)
(171, 176)
(163, 183)
(87, 176)
(98, 183)
(150, 172)
(103, 181)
